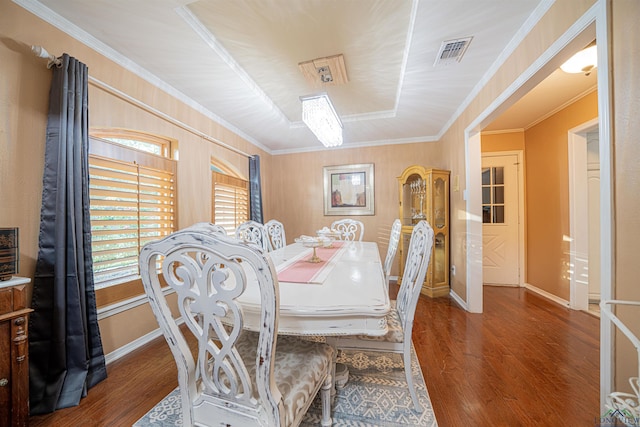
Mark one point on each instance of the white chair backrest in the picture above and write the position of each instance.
(351, 229)
(254, 232)
(394, 238)
(208, 273)
(208, 227)
(415, 270)
(276, 234)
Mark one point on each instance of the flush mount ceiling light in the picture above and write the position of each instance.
(582, 62)
(320, 116)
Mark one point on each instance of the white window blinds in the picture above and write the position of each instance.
(131, 204)
(230, 201)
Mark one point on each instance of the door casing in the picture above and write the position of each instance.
(520, 202)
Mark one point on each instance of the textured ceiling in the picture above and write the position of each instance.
(238, 60)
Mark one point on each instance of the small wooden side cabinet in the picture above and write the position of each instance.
(424, 194)
(14, 352)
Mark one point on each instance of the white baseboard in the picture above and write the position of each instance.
(458, 300)
(528, 286)
(547, 295)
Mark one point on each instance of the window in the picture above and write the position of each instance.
(132, 197)
(493, 195)
(230, 201)
(141, 141)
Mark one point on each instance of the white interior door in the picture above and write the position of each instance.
(593, 184)
(584, 214)
(500, 219)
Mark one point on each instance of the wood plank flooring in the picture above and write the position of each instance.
(525, 361)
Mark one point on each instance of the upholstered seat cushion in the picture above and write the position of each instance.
(394, 326)
(299, 370)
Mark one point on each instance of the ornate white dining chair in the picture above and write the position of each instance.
(400, 319)
(254, 232)
(209, 227)
(394, 239)
(351, 229)
(276, 234)
(232, 376)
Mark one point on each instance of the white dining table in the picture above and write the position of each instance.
(350, 299)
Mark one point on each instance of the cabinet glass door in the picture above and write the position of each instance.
(439, 259)
(439, 199)
(414, 194)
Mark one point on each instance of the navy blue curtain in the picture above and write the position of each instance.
(255, 190)
(65, 348)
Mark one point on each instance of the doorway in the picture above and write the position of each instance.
(502, 218)
(580, 32)
(584, 208)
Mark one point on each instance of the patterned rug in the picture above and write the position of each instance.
(375, 395)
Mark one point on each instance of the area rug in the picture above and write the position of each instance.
(375, 395)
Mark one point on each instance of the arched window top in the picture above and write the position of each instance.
(218, 166)
(139, 140)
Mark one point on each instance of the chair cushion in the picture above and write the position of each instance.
(299, 367)
(394, 325)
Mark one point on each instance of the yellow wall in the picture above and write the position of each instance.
(545, 148)
(547, 196)
(507, 141)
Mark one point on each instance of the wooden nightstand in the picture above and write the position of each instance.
(14, 352)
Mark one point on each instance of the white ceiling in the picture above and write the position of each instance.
(237, 60)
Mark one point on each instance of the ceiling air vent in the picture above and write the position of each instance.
(452, 51)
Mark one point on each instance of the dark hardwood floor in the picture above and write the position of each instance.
(525, 361)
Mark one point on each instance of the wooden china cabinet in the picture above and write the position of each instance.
(14, 353)
(424, 194)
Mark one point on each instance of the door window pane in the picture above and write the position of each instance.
(498, 194)
(486, 214)
(486, 196)
(486, 176)
(493, 195)
(498, 175)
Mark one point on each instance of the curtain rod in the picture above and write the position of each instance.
(164, 116)
(41, 52)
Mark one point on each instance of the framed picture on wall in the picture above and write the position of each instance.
(349, 190)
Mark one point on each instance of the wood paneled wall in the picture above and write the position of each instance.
(297, 187)
(24, 95)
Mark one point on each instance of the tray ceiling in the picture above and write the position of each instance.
(237, 61)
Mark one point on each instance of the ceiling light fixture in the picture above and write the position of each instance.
(582, 62)
(320, 116)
